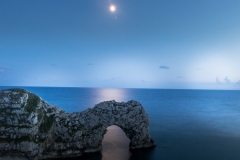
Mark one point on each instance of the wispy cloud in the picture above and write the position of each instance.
(227, 80)
(3, 69)
(238, 82)
(181, 77)
(116, 78)
(164, 67)
(90, 64)
(53, 65)
(218, 81)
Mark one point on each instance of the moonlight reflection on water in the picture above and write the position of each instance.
(115, 144)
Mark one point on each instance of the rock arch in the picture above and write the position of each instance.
(31, 126)
(130, 117)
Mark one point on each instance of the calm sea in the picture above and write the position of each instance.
(185, 124)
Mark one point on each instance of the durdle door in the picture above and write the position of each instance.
(31, 127)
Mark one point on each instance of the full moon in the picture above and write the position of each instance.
(112, 8)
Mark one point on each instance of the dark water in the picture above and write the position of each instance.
(185, 124)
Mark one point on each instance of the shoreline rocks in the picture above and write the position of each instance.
(31, 127)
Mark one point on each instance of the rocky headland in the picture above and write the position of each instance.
(31, 127)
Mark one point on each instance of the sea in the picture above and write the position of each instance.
(184, 124)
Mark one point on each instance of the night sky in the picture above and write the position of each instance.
(142, 44)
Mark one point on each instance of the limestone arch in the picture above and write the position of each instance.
(130, 117)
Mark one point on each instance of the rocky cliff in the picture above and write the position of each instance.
(32, 127)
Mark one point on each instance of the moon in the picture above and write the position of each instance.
(112, 8)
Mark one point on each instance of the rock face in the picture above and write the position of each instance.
(32, 127)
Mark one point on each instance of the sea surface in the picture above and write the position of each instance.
(185, 124)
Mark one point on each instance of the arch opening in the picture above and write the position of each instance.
(115, 144)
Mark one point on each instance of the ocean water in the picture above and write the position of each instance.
(185, 124)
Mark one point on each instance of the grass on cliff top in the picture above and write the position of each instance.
(13, 96)
(32, 102)
(16, 90)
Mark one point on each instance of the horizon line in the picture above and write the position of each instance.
(122, 88)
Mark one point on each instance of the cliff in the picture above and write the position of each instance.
(32, 127)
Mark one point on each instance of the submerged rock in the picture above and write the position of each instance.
(31, 127)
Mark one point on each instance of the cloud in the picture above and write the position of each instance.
(90, 64)
(143, 81)
(227, 80)
(181, 77)
(3, 69)
(164, 67)
(218, 81)
(53, 65)
(116, 78)
(238, 82)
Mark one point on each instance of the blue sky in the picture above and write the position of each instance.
(143, 44)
